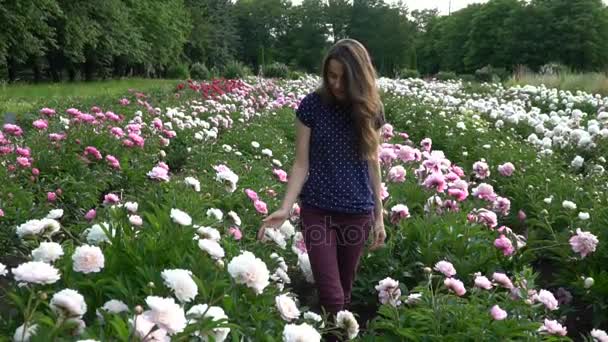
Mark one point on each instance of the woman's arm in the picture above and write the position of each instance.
(297, 177)
(375, 176)
(299, 170)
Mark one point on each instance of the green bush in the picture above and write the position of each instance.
(408, 73)
(276, 70)
(199, 71)
(178, 71)
(467, 78)
(446, 75)
(294, 75)
(491, 74)
(236, 69)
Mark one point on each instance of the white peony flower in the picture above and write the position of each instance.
(132, 207)
(577, 162)
(267, 152)
(276, 236)
(45, 226)
(309, 315)
(180, 217)
(96, 233)
(47, 252)
(115, 306)
(569, 205)
(208, 233)
(144, 327)
(216, 313)
(55, 214)
(249, 270)
(68, 303)
(304, 264)
(300, 333)
(235, 217)
(599, 335)
(25, 336)
(3, 270)
(389, 292)
(215, 213)
(413, 298)
(212, 247)
(547, 299)
(136, 220)
(36, 272)
(167, 314)
(346, 320)
(583, 216)
(193, 182)
(287, 229)
(255, 144)
(180, 281)
(88, 259)
(287, 307)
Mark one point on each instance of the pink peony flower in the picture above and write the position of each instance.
(397, 174)
(24, 162)
(13, 130)
(399, 212)
(552, 327)
(260, 206)
(110, 199)
(583, 243)
(497, 313)
(117, 132)
(387, 131)
(387, 155)
(457, 170)
(282, 175)
(481, 170)
(90, 215)
(436, 181)
(446, 268)
(455, 285)
(1, 213)
(426, 144)
(502, 205)
(506, 169)
(482, 282)
(40, 124)
(251, 194)
(124, 102)
(47, 111)
(51, 196)
(502, 280)
(113, 162)
(383, 191)
(407, 154)
(235, 232)
(504, 244)
(485, 192)
(159, 173)
(90, 150)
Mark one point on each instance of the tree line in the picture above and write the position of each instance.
(92, 39)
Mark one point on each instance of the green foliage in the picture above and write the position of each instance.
(178, 71)
(408, 73)
(446, 75)
(276, 70)
(199, 71)
(236, 69)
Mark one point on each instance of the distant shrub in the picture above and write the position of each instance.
(178, 71)
(467, 78)
(408, 73)
(553, 68)
(490, 74)
(199, 71)
(294, 75)
(276, 70)
(446, 75)
(236, 69)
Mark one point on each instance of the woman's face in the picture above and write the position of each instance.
(335, 76)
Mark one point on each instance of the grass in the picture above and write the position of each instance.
(591, 82)
(21, 98)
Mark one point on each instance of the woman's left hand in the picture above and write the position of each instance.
(379, 235)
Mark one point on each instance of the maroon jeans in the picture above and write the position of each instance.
(334, 242)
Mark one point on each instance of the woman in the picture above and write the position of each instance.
(336, 173)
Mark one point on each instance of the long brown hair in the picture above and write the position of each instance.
(361, 93)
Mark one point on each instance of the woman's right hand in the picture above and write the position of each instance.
(274, 220)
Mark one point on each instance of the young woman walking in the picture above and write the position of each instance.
(336, 173)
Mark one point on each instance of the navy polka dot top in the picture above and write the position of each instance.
(338, 179)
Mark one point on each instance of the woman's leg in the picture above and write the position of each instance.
(353, 233)
(321, 243)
